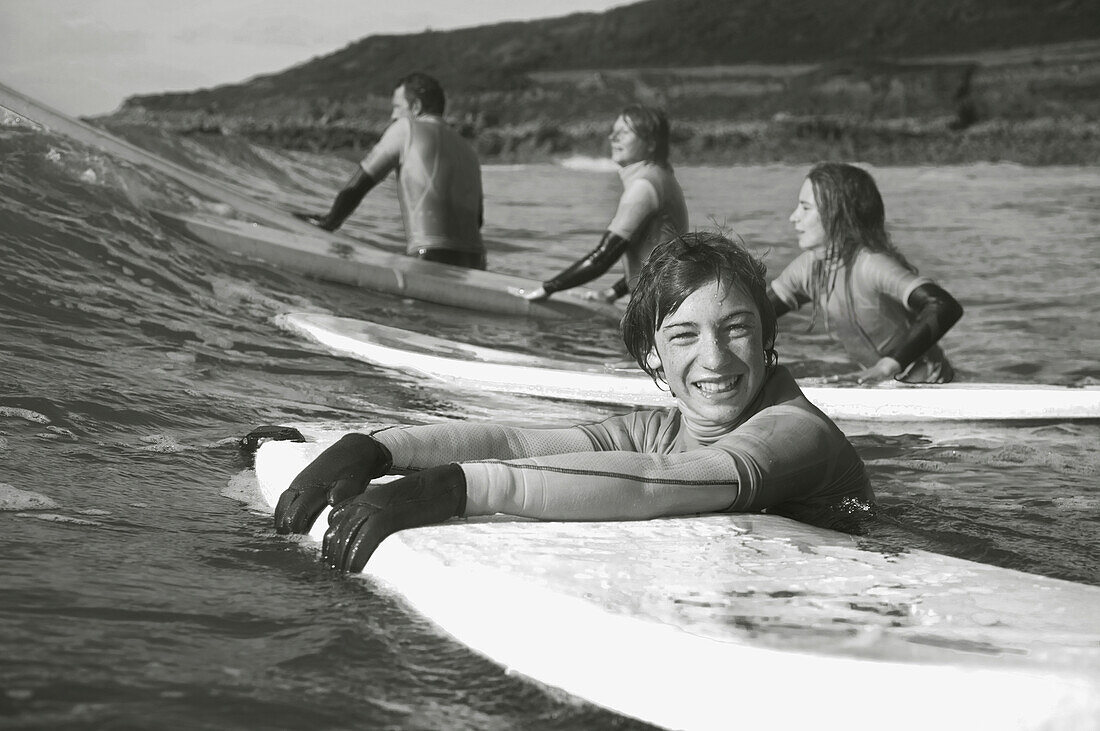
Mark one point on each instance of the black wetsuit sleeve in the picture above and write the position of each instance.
(781, 308)
(348, 199)
(936, 311)
(620, 288)
(598, 261)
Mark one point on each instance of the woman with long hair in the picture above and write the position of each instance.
(887, 316)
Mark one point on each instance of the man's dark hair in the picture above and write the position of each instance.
(427, 89)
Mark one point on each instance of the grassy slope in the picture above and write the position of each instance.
(742, 79)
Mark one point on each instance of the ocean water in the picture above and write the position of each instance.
(140, 588)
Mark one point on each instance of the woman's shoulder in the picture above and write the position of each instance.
(648, 171)
(884, 271)
(868, 259)
(801, 265)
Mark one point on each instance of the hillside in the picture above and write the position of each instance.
(742, 80)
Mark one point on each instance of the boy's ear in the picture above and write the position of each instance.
(653, 360)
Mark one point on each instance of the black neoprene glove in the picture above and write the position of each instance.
(340, 472)
(358, 526)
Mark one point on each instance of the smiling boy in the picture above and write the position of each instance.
(741, 438)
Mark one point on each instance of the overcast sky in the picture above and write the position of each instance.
(86, 56)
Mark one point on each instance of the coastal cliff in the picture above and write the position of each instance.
(887, 82)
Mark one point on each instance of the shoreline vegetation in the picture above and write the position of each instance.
(785, 139)
(1035, 104)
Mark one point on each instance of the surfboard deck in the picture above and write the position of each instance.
(317, 254)
(704, 621)
(499, 370)
(281, 239)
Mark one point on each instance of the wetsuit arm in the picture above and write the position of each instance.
(597, 262)
(936, 311)
(348, 199)
(428, 445)
(604, 486)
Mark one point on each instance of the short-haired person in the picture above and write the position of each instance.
(886, 316)
(438, 178)
(741, 437)
(651, 209)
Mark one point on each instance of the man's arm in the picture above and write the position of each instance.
(596, 263)
(637, 204)
(383, 157)
(347, 200)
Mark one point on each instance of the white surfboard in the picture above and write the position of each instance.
(499, 370)
(319, 255)
(747, 621)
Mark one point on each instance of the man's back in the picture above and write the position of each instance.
(439, 186)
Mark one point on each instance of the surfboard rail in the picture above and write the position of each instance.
(502, 371)
(324, 258)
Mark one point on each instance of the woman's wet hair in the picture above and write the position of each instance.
(854, 217)
(651, 124)
(675, 270)
(852, 212)
(427, 89)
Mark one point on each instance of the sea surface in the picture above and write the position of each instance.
(141, 588)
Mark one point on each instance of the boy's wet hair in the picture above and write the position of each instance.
(427, 89)
(651, 124)
(679, 267)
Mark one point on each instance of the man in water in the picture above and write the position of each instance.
(438, 178)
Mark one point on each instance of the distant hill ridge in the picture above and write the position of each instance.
(667, 34)
(545, 87)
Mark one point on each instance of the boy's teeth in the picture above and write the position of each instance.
(715, 386)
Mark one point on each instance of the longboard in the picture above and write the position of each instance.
(750, 620)
(280, 238)
(499, 370)
(322, 257)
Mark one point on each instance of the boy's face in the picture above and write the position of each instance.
(711, 351)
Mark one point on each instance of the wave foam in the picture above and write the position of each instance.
(591, 164)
